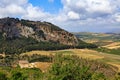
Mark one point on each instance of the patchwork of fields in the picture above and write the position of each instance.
(83, 53)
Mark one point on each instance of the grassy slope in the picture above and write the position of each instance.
(84, 53)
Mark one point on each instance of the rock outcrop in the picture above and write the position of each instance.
(12, 28)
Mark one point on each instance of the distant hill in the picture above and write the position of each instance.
(100, 39)
(102, 36)
(18, 36)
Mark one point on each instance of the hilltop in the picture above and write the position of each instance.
(18, 36)
(12, 28)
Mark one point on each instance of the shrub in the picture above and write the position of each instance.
(69, 68)
(74, 68)
(3, 76)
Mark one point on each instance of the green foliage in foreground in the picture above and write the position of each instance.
(75, 68)
(68, 68)
(20, 74)
(63, 68)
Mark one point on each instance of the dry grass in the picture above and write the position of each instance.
(92, 41)
(42, 65)
(84, 53)
(37, 52)
(113, 45)
(91, 54)
(107, 58)
(117, 65)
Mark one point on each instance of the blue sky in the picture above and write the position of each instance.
(71, 15)
(51, 6)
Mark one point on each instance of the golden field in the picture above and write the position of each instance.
(84, 53)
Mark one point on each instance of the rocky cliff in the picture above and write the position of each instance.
(12, 28)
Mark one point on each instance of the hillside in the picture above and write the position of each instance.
(12, 28)
(17, 36)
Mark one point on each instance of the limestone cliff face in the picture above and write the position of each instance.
(41, 31)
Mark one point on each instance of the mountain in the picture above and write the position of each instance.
(17, 36)
(41, 31)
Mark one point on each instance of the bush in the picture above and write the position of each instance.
(17, 76)
(69, 68)
(26, 74)
(75, 68)
(3, 76)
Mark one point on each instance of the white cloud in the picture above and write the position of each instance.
(90, 7)
(21, 8)
(92, 13)
(73, 15)
(117, 17)
(34, 13)
(99, 6)
(11, 10)
(8, 2)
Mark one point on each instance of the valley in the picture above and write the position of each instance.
(41, 62)
(83, 53)
(34, 50)
(107, 42)
(59, 39)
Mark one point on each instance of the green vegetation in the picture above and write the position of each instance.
(75, 68)
(7, 73)
(19, 45)
(36, 58)
(83, 45)
(63, 68)
(26, 23)
(110, 51)
(3, 76)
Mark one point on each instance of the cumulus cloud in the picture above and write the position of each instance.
(22, 9)
(12, 8)
(91, 8)
(99, 6)
(77, 15)
(92, 13)
(34, 13)
(73, 15)
(117, 17)
(17, 2)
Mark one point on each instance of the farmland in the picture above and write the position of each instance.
(84, 53)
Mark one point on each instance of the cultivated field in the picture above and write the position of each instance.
(114, 45)
(84, 53)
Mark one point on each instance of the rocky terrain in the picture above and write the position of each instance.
(11, 28)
